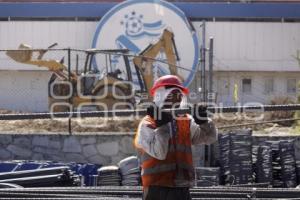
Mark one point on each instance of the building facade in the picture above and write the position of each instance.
(254, 52)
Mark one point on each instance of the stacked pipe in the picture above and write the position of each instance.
(47, 177)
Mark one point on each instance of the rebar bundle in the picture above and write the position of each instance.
(134, 193)
(207, 176)
(288, 163)
(263, 166)
(276, 166)
(235, 150)
(48, 177)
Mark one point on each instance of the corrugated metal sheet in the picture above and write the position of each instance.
(239, 46)
(41, 35)
(254, 46)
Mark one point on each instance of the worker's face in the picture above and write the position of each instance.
(173, 99)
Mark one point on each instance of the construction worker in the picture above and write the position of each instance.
(164, 142)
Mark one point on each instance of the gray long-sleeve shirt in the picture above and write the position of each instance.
(155, 141)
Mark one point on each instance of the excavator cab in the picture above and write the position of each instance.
(109, 84)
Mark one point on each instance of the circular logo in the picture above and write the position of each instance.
(135, 24)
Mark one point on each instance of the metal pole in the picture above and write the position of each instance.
(77, 63)
(70, 99)
(203, 49)
(203, 86)
(210, 74)
(210, 148)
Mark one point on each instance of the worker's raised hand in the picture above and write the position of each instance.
(200, 114)
(160, 117)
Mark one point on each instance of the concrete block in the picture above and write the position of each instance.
(5, 155)
(22, 141)
(37, 156)
(88, 140)
(74, 157)
(55, 144)
(101, 160)
(126, 145)
(71, 145)
(108, 148)
(5, 139)
(56, 158)
(89, 150)
(19, 151)
(46, 151)
(42, 141)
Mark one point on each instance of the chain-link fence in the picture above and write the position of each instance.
(59, 80)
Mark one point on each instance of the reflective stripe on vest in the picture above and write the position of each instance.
(159, 169)
(179, 148)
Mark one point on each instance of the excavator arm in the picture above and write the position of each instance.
(25, 55)
(144, 62)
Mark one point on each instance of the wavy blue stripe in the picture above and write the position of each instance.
(153, 25)
(142, 34)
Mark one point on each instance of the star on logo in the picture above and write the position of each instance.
(133, 23)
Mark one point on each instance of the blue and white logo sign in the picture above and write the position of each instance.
(134, 24)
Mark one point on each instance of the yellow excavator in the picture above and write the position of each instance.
(88, 86)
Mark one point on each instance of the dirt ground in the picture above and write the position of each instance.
(98, 125)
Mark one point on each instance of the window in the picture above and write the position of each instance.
(247, 85)
(223, 86)
(291, 85)
(269, 86)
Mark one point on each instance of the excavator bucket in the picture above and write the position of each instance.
(24, 54)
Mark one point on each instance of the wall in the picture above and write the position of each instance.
(254, 46)
(98, 149)
(24, 90)
(246, 46)
(105, 149)
(239, 46)
(258, 83)
(28, 90)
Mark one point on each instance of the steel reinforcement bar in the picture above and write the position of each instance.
(142, 112)
(130, 192)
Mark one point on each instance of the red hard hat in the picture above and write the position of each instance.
(168, 80)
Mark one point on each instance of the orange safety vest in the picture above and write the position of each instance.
(177, 168)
